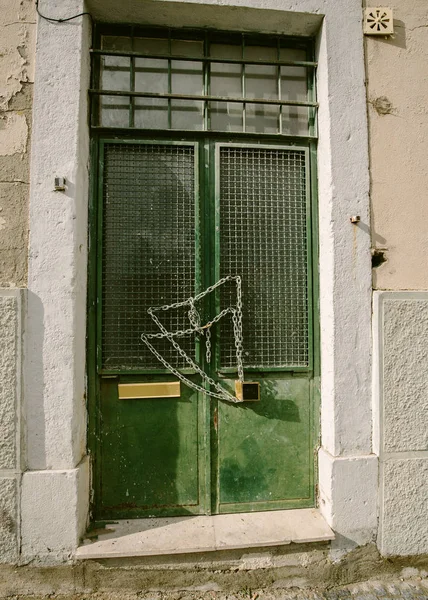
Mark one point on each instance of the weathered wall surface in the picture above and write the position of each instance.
(398, 122)
(17, 38)
(397, 92)
(401, 353)
(10, 433)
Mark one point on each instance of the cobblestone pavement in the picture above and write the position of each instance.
(415, 589)
(371, 590)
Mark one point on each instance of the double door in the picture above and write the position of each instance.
(172, 219)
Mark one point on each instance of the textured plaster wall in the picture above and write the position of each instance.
(17, 40)
(397, 90)
(401, 387)
(10, 434)
(8, 381)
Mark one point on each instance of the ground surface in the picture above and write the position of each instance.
(371, 590)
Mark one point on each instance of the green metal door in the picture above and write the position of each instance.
(265, 449)
(165, 234)
(152, 452)
(203, 168)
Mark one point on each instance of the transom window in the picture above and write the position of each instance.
(203, 81)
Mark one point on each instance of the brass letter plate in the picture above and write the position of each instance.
(161, 389)
(247, 391)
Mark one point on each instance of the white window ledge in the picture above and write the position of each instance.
(181, 535)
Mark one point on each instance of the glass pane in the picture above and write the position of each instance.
(151, 113)
(225, 116)
(226, 51)
(187, 114)
(186, 77)
(151, 75)
(151, 45)
(266, 53)
(116, 42)
(262, 118)
(114, 111)
(292, 54)
(295, 120)
(226, 80)
(261, 81)
(294, 85)
(187, 47)
(115, 73)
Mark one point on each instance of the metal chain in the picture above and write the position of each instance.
(208, 346)
(195, 321)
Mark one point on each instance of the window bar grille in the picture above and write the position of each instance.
(200, 98)
(132, 85)
(312, 113)
(208, 59)
(279, 85)
(206, 84)
(96, 100)
(169, 80)
(205, 99)
(244, 106)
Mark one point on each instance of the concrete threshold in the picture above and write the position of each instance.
(182, 535)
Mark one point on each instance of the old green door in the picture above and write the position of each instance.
(264, 449)
(173, 214)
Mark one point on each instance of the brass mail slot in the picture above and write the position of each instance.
(247, 391)
(161, 389)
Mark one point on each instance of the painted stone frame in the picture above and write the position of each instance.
(55, 488)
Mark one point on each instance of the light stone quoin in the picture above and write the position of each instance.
(55, 408)
(11, 301)
(401, 382)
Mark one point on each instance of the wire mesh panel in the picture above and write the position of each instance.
(148, 249)
(263, 238)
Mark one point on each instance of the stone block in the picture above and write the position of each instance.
(404, 514)
(348, 495)
(54, 508)
(13, 267)
(9, 530)
(15, 169)
(405, 372)
(9, 359)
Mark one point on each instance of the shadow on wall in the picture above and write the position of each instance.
(398, 39)
(34, 383)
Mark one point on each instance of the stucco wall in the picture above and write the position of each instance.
(401, 356)
(397, 92)
(17, 41)
(10, 421)
(17, 38)
(397, 89)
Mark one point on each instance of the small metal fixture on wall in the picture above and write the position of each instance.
(378, 20)
(60, 184)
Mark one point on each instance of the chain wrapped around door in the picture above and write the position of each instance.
(196, 327)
